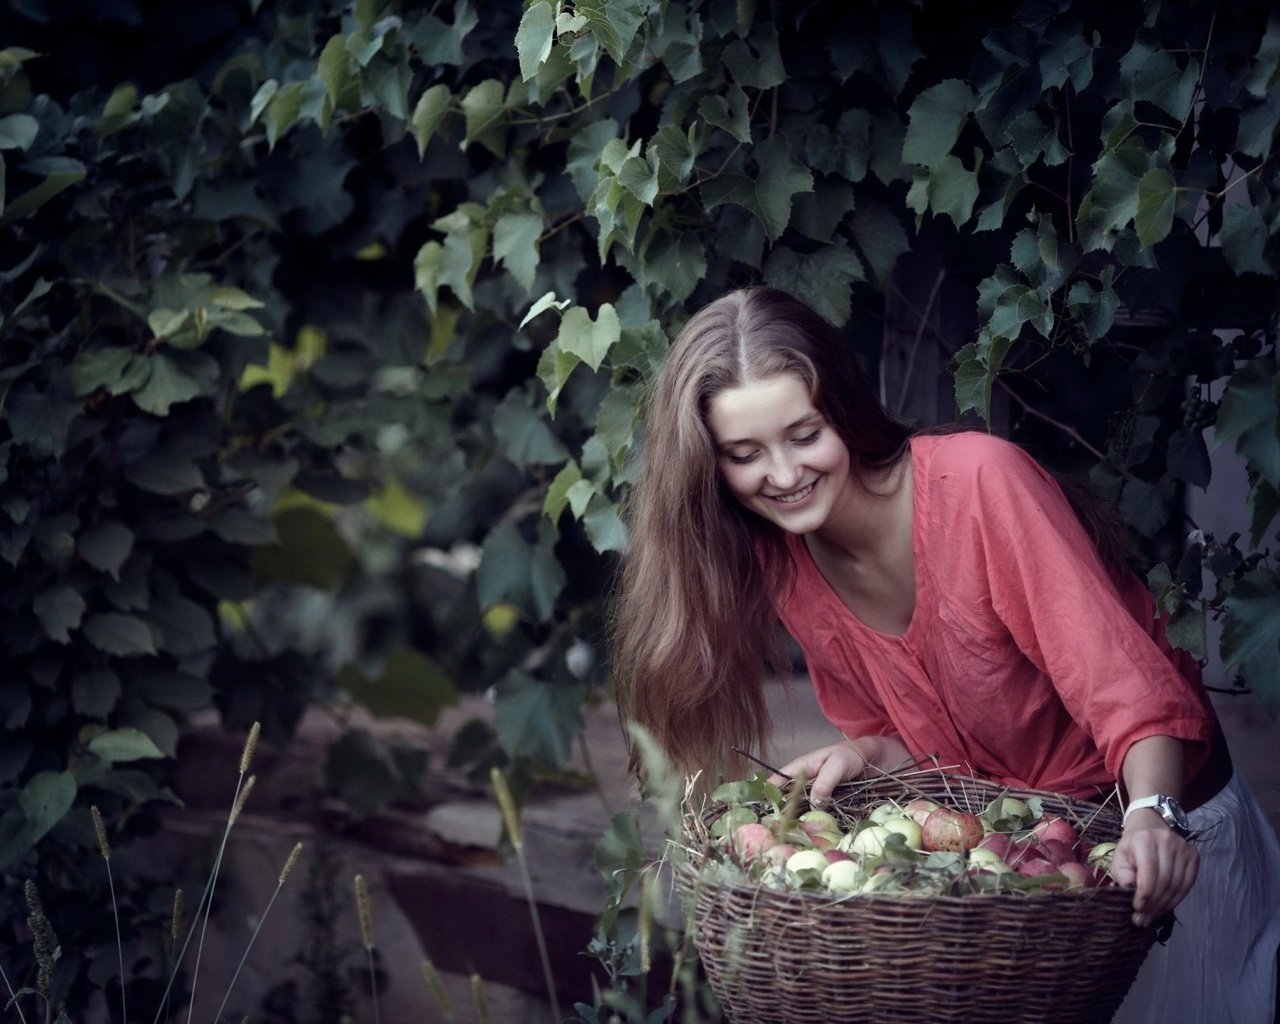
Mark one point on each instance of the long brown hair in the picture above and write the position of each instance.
(695, 630)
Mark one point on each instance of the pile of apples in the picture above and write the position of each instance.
(919, 846)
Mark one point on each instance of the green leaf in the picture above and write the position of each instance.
(823, 278)
(410, 685)
(534, 37)
(676, 152)
(769, 196)
(40, 421)
(123, 635)
(60, 610)
(164, 473)
(185, 627)
(106, 546)
(1247, 415)
(66, 172)
(640, 177)
(428, 114)
(515, 245)
(975, 368)
(95, 693)
(756, 62)
(820, 213)
(1159, 80)
(173, 691)
(45, 801)
(950, 189)
(484, 109)
(167, 385)
(18, 131)
(605, 528)
(542, 304)
(310, 551)
(1113, 200)
(881, 238)
(513, 570)
(675, 261)
(127, 744)
(1264, 506)
(589, 340)
(333, 68)
(1154, 214)
(557, 499)
(1244, 239)
(104, 368)
(537, 720)
(554, 367)
(1251, 634)
(613, 23)
(283, 111)
(728, 111)
(524, 436)
(1186, 629)
(935, 120)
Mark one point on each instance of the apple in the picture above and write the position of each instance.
(985, 859)
(826, 840)
(843, 876)
(1058, 851)
(869, 842)
(751, 840)
(1078, 876)
(999, 843)
(883, 813)
(877, 881)
(1100, 854)
(778, 854)
(909, 830)
(1037, 868)
(919, 809)
(835, 856)
(1024, 853)
(947, 829)
(816, 821)
(1056, 828)
(807, 860)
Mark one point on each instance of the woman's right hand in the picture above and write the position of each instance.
(825, 768)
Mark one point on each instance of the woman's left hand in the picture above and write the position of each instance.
(1157, 861)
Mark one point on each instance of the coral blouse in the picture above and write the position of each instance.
(1022, 663)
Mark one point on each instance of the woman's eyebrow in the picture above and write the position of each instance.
(794, 425)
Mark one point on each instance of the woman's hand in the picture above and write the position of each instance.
(1157, 861)
(827, 767)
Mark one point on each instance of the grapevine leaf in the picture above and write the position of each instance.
(534, 37)
(1247, 415)
(537, 720)
(515, 245)
(1153, 216)
(589, 340)
(934, 122)
(1251, 634)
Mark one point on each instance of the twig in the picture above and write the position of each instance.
(13, 997)
(915, 343)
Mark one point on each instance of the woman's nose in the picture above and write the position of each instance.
(784, 474)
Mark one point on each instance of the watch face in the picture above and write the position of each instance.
(1173, 813)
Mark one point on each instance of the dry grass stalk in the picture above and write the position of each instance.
(436, 986)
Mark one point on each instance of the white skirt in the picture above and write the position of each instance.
(1219, 965)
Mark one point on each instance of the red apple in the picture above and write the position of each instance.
(816, 821)
(1078, 876)
(947, 829)
(1036, 868)
(751, 840)
(1000, 843)
(919, 809)
(836, 855)
(1056, 828)
(778, 854)
(1059, 852)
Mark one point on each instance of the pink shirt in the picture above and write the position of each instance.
(1021, 663)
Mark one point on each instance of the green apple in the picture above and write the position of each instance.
(842, 876)
(869, 842)
(909, 830)
(816, 821)
(886, 812)
(986, 859)
(807, 860)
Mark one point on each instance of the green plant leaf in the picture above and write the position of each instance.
(534, 37)
(1153, 216)
(62, 174)
(769, 196)
(95, 693)
(167, 385)
(1171, 88)
(484, 109)
(614, 23)
(537, 720)
(18, 131)
(1244, 239)
(60, 609)
(310, 551)
(185, 627)
(123, 635)
(164, 473)
(524, 436)
(557, 498)
(1251, 634)
(105, 546)
(45, 801)
(429, 113)
(1247, 415)
(605, 528)
(949, 189)
(935, 120)
(525, 574)
(127, 744)
(1112, 201)
(410, 685)
(727, 111)
(589, 340)
(173, 691)
(823, 278)
(1264, 506)
(515, 244)
(756, 62)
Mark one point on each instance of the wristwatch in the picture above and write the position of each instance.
(1167, 807)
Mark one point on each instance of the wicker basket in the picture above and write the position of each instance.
(786, 957)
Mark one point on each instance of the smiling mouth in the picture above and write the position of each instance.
(794, 496)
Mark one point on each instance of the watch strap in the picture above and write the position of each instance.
(1141, 803)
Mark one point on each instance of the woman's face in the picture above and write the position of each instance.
(777, 454)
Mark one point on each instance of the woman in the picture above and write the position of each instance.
(949, 602)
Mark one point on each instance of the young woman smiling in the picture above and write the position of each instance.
(949, 600)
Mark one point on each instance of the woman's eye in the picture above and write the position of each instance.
(809, 438)
(740, 460)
